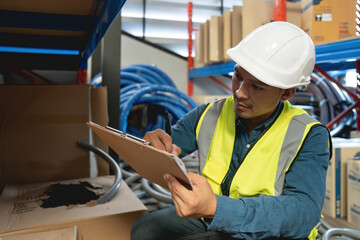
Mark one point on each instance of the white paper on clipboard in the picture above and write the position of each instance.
(149, 162)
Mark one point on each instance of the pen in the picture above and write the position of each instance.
(167, 123)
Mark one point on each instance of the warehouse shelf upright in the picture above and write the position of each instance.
(336, 56)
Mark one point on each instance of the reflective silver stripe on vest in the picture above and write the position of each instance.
(207, 130)
(291, 143)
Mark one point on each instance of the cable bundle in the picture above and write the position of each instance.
(328, 100)
(143, 84)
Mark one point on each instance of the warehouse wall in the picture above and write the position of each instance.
(134, 51)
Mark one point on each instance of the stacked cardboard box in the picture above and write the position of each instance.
(329, 20)
(199, 47)
(216, 52)
(227, 33)
(236, 26)
(220, 33)
(335, 204)
(353, 187)
(258, 12)
(354, 134)
(216, 36)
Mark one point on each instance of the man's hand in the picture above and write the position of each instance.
(196, 203)
(161, 140)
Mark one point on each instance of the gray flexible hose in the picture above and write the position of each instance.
(161, 189)
(136, 187)
(132, 178)
(125, 173)
(113, 165)
(155, 194)
(325, 224)
(347, 232)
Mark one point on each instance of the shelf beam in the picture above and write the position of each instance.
(214, 69)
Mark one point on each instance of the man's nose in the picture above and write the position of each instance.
(241, 92)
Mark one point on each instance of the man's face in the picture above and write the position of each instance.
(254, 100)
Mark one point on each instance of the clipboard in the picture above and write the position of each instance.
(151, 163)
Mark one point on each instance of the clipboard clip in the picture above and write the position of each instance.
(129, 136)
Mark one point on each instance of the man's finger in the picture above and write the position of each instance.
(178, 191)
(171, 181)
(166, 178)
(166, 141)
(159, 139)
(175, 150)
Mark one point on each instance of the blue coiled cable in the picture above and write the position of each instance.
(152, 77)
(147, 84)
(150, 89)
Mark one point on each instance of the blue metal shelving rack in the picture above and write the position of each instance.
(332, 56)
(31, 32)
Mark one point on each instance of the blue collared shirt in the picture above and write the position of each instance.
(295, 212)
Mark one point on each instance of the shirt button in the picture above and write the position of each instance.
(247, 145)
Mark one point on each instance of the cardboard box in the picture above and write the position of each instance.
(335, 204)
(227, 33)
(293, 13)
(216, 39)
(328, 20)
(199, 47)
(40, 126)
(354, 134)
(58, 234)
(38, 207)
(206, 41)
(236, 26)
(353, 187)
(258, 12)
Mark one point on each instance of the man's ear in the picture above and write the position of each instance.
(287, 94)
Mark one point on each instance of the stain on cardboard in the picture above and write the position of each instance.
(69, 194)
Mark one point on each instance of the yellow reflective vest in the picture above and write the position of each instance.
(263, 168)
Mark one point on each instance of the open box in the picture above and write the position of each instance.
(40, 126)
(31, 208)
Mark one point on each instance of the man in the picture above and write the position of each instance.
(263, 166)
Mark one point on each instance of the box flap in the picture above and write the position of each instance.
(40, 126)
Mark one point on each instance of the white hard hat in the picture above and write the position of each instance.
(279, 54)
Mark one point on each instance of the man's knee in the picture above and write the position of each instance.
(147, 227)
(141, 229)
